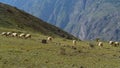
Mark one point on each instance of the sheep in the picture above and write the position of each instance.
(100, 44)
(49, 39)
(27, 36)
(14, 34)
(74, 42)
(22, 35)
(4, 33)
(8, 33)
(116, 44)
(111, 42)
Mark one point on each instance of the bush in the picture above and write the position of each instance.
(97, 39)
(91, 45)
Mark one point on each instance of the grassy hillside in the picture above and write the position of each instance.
(31, 53)
(12, 18)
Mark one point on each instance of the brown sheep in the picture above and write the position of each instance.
(44, 41)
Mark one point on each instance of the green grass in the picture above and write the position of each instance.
(31, 53)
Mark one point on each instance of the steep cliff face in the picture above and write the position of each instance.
(85, 19)
(97, 18)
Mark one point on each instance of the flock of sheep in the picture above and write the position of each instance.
(15, 34)
(112, 43)
(26, 36)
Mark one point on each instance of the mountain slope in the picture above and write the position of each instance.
(85, 19)
(11, 17)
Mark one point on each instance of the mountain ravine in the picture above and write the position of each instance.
(85, 19)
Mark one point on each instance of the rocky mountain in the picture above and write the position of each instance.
(13, 18)
(85, 19)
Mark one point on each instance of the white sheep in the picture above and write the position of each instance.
(49, 39)
(74, 42)
(4, 33)
(111, 42)
(116, 44)
(27, 36)
(14, 34)
(22, 35)
(100, 44)
(9, 33)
